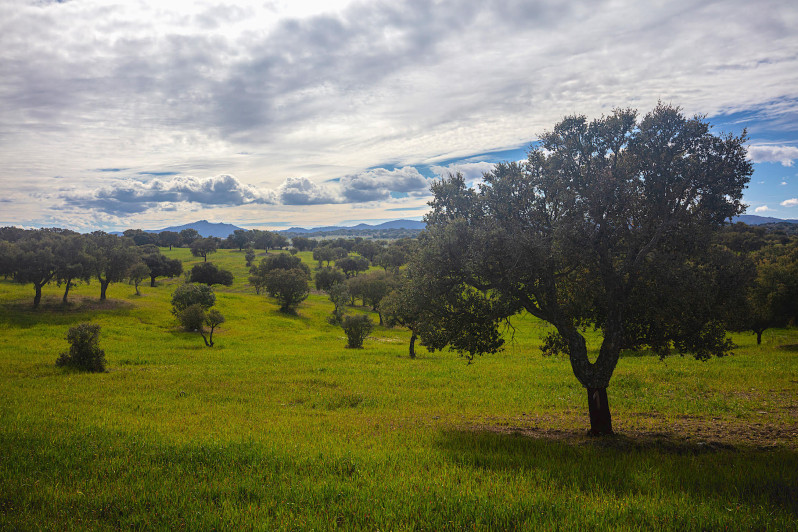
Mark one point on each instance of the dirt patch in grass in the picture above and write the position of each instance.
(683, 434)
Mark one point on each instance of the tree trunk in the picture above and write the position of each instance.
(152, 281)
(413, 344)
(38, 297)
(599, 408)
(103, 288)
(759, 336)
(595, 377)
(66, 292)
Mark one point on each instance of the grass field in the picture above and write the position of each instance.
(280, 427)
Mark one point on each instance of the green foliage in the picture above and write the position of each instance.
(357, 329)
(202, 247)
(84, 349)
(137, 273)
(189, 294)
(326, 277)
(192, 317)
(352, 265)
(210, 274)
(339, 295)
(288, 287)
(587, 231)
(249, 256)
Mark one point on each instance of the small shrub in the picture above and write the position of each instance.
(84, 350)
(189, 294)
(192, 317)
(357, 328)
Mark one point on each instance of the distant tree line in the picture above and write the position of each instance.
(64, 257)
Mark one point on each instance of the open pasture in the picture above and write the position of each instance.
(279, 426)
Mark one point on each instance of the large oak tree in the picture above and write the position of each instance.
(607, 224)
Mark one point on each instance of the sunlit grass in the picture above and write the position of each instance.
(280, 426)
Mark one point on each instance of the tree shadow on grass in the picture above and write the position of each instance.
(52, 311)
(648, 465)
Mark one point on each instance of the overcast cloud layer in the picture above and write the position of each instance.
(131, 114)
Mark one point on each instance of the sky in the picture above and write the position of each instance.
(271, 114)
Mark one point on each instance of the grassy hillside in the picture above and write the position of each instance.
(280, 427)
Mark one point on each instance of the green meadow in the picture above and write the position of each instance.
(279, 426)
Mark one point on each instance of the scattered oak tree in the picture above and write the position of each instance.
(161, 266)
(202, 247)
(112, 257)
(137, 273)
(208, 273)
(592, 228)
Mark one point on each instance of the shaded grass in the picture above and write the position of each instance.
(280, 427)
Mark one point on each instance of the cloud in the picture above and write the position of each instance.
(377, 184)
(303, 191)
(130, 196)
(773, 154)
(349, 86)
(792, 202)
(762, 208)
(472, 172)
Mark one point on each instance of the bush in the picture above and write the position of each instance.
(189, 294)
(357, 328)
(208, 273)
(84, 350)
(192, 317)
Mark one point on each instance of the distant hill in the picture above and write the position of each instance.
(753, 219)
(203, 227)
(413, 225)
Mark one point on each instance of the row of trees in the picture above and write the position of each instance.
(43, 256)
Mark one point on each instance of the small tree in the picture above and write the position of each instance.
(194, 318)
(326, 277)
(208, 273)
(289, 287)
(84, 350)
(202, 247)
(160, 266)
(249, 256)
(137, 273)
(339, 295)
(189, 294)
(352, 265)
(357, 329)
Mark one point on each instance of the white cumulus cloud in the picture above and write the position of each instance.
(773, 154)
(762, 208)
(792, 202)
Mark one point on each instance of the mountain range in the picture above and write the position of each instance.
(222, 230)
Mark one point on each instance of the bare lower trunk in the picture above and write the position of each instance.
(66, 291)
(103, 288)
(413, 345)
(599, 408)
(38, 297)
(595, 377)
(152, 281)
(759, 336)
